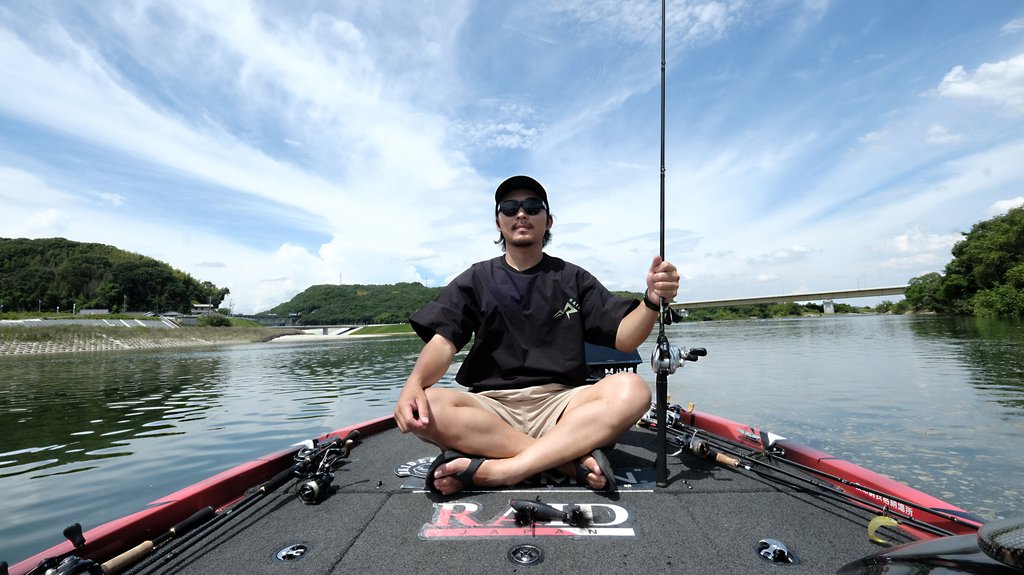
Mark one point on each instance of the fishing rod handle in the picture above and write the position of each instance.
(197, 518)
(279, 479)
(127, 558)
(727, 461)
(131, 556)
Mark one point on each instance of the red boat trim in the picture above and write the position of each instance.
(967, 523)
(227, 487)
(220, 491)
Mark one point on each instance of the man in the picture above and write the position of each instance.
(527, 409)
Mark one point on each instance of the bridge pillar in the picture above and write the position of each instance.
(830, 307)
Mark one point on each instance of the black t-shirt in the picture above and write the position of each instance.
(530, 326)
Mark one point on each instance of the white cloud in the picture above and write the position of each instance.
(915, 242)
(1003, 206)
(48, 222)
(915, 250)
(780, 255)
(116, 200)
(999, 82)
(940, 135)
(1012, 27)
(351, 144)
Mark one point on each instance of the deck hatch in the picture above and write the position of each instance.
(525, 554)
(292, 552)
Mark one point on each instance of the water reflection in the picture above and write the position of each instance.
(993, 347)
(93, 405)
(934, 402)
(92, 437)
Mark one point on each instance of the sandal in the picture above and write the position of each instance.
(603, 465)
(465, 477)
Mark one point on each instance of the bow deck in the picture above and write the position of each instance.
(710, 519)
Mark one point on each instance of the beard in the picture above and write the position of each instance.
(521, 242)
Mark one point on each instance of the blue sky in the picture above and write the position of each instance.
(270, 146)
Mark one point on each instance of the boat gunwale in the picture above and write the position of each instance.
(224, 489)
(946, 516)
(219, 491)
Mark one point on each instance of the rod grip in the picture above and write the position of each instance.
(726, 460)
(197, 518)
(127, 558)
(278, 480)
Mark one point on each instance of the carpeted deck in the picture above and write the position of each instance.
(709, 520)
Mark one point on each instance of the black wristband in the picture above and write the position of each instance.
(650, 304)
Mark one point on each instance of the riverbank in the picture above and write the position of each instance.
(72, 339)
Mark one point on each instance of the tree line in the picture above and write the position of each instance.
(355, 304)
(985, 277)
(51, 273)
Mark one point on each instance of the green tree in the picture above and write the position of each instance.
(925, 292)
(54, 272)
(986, 275)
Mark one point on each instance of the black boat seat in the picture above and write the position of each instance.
(602, 361)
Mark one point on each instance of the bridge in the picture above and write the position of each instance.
(825, 296)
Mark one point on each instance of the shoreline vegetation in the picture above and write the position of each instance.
(16, 340)
(59, 339)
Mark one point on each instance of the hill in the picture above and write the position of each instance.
(356, 304)
(45, 274)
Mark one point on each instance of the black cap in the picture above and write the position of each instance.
(521, 183)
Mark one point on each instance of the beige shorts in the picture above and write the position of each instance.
(532, 410)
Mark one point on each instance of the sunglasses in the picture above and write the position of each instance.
(532, 206)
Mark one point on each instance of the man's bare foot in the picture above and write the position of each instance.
(595, 479)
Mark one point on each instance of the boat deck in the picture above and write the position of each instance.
(709, 519)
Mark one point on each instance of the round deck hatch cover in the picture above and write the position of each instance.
(292, 552)
(525, 555)
(775, 551)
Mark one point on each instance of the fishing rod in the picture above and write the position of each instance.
(313, 463)
(749, 455)
(309, 466)
(666, 357)
(136, 553)
(736, 455)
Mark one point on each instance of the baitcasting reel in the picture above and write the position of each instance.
(667, 358)
(315, 489)
(315, 465)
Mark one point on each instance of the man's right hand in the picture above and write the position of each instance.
(413, 410)
(412, 413)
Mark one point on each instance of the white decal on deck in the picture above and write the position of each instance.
(458, 519)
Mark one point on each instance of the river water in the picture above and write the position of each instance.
(934, 402)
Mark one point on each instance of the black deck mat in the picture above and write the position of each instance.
(709, 520)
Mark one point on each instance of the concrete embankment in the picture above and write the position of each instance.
(45, 340)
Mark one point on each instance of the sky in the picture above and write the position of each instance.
(270, 146)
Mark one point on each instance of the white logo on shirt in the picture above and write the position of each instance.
(570, 308)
